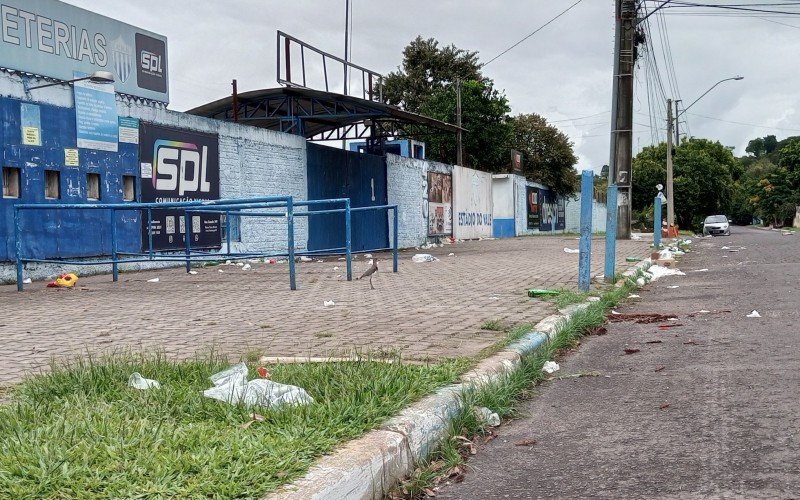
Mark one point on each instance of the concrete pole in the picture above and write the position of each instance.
(611, 235)
(670, 197)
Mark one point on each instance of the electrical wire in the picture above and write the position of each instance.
(532, 33)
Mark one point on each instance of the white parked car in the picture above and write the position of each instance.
(716, 224)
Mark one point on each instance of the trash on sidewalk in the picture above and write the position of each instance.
(631, 350)
(636, 237)
(138, 382)
(705, 270)
(673, 286)
(451, 254)
(192, 272)
(64, 281)
(754, 314)
(632, 259)
(153, 280)
(27, 281)
(303, 258)
(367, 255)
(571, 250)
(423, 257)
(641, 318)
(246, 267)
(593, 299)
(487, 416)
(657, 272)
(550, 367)
(329, 303)
(540, 292)
(634, 296)
(220, 270)
(231, 386)
(525, 442)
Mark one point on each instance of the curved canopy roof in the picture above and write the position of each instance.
(319, 115)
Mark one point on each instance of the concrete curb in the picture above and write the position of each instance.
(367, 467)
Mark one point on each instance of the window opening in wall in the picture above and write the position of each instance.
(128, 188)
(52, 184)
(93, 186)
(236, 233)
(11, 182)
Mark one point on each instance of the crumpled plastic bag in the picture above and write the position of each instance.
(138, 382)
(67, 280)
(487, 416)
(551, 366)
(231, 386)
(423, 257)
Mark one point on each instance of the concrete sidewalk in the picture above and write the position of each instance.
(427, 311)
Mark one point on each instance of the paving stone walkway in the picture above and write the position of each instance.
(427, 311)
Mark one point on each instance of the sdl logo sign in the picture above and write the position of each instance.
(180, 166)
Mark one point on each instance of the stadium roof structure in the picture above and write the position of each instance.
(320, 116)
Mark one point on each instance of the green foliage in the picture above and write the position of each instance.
(771, 185)
(484, 113)
(80, 432)
(548, 154)
(427, 68)
(425, 83)
(703, 179)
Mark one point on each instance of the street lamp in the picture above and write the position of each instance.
(670, 198)
(96, 77)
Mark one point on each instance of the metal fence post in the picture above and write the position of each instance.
(347, 239)
(228, 230)
(150, 233)
(657, 222)
(290, 242)
(18, 247)
(187, 236)
(114, 264)
(395, 242)
(610, 271)
(585, 253)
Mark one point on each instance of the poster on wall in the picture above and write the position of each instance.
(472, 203)
(96, 120)
(179, 165)
(552, 210)
(532, 197)
(440, 204)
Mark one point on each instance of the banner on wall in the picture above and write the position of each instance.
(440, 204)
(532, 202)
(472, 203)
(552, 210)
(179, 165)
(53, 38)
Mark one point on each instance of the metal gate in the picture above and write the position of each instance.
(336, 173)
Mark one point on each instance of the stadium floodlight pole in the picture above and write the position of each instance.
(96, 77)
(670, 198)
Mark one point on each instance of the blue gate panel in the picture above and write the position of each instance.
(336, 173)
(63, 233)
(503, 228)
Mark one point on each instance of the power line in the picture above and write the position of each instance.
(580, 117)
(743, 123)
(533, 33)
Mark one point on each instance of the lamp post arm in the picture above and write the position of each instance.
(706, 92)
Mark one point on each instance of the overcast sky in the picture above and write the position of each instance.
(562, 72)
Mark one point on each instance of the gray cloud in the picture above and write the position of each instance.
(562, 72)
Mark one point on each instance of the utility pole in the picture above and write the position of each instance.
(459, 149)
(670, 198)
(622, 112)
(677, 123)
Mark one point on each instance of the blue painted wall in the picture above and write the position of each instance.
(64, 233)
(503, 228)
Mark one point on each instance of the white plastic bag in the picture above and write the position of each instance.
(423, 257)
(231, 386)
(138, 382)
(550, 367)
(487, 416)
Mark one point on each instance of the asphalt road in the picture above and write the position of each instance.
(710, 411)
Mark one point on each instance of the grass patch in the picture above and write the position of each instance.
(503, 396)
(79, 431)
(494, 325)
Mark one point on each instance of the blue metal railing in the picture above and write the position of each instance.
(248, 207)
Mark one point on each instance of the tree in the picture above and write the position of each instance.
(756, 147)
(703, 179)
(427, 68)
(484, 113)
(547, 152)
